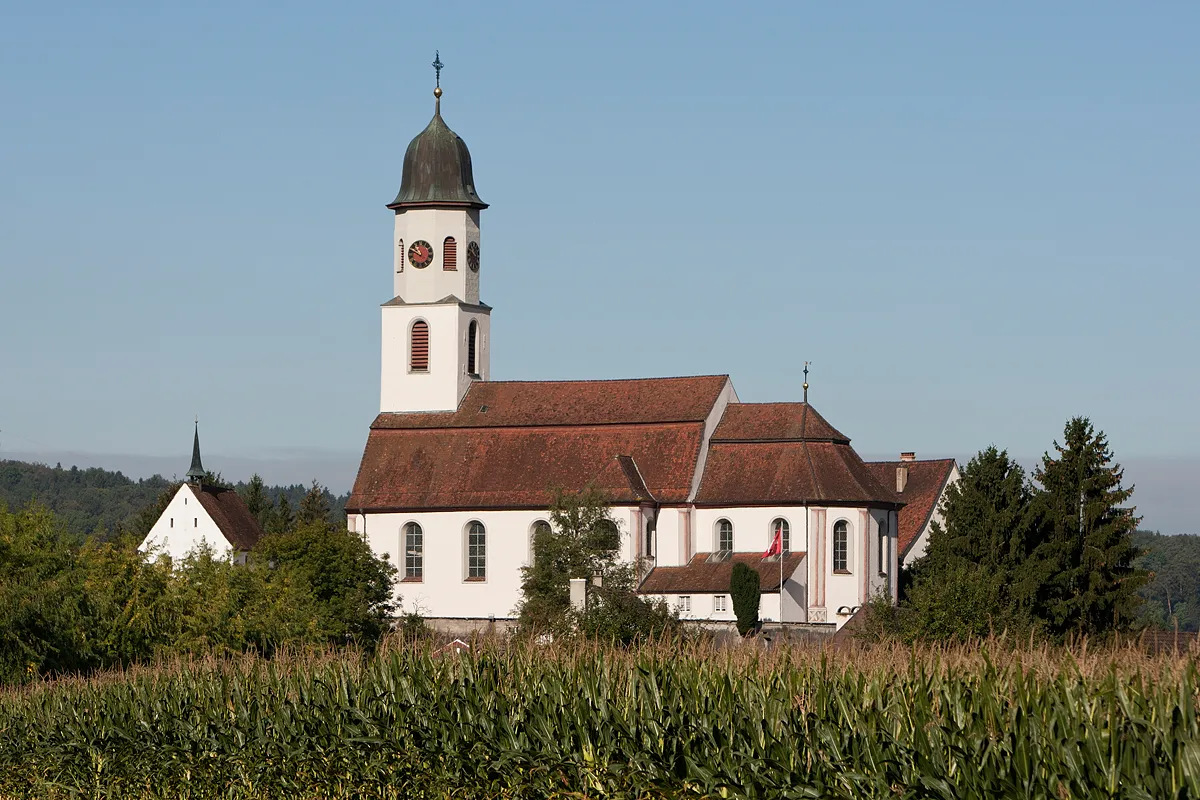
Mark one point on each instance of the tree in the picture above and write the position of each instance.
(747, 594)
(1087, 551)
(254, 495)
(314, 507)
(583, 541)
(281, 518)
(350, 586)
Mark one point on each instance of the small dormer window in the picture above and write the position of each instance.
(450, 255)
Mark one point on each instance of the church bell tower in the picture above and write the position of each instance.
(435, 329)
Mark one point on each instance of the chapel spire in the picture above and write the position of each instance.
(196, 473)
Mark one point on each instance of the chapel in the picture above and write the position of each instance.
(459, 470)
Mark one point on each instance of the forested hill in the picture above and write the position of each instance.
(97, 501)
(1173, 593)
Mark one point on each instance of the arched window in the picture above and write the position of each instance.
(781, 530)
(418, 350)
(400, 262)
(449, 254)
(841, 546)
(537, 530)
(414, 552)
(472, 346)
(476, 552)
(724, 536)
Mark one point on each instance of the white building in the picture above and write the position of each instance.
(458, 469)
(203, 514)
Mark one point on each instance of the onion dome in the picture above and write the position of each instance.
(437, 168)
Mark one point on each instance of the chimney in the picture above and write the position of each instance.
(902, 471)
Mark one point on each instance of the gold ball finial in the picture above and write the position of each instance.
(437, 92)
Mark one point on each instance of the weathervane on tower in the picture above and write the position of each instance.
(805, 386)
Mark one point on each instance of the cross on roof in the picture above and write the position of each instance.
(437, 68)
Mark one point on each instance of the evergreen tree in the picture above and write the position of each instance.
(1091, 583)
(281, 520)
(314, 507)
(746, 591)
(254, 494)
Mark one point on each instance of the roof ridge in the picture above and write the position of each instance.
(597, 380)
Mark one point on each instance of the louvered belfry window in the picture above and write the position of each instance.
(450, 254)
(418, 353)
(472, 344)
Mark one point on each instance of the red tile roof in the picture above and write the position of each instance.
(499, 404)
(519, 467)
(926, 480)
(510, 444)
(772, 422)
(701, 577)
(239, 527)
(781, 454)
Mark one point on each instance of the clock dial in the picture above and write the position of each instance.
(473, 256)
(420, 254)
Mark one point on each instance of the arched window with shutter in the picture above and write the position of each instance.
(472, 348)
(450, 254)
(418, 350)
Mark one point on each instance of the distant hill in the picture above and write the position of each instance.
(98, 502)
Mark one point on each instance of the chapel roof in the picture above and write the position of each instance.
(437, 169)
(785, 454)
(926, 480)
(702, 577)
(239, 527)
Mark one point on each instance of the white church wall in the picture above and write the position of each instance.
(669, 544)
(444, 590)
(703, 606)
(183, 526)
(401, 389)
(751, 527)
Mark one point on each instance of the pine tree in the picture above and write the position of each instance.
(314, 507)
(281, 519)
(1088, 550)
(975, 577)
(255, 497)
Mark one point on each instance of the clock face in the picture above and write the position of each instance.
(420, 254)
(473, 256)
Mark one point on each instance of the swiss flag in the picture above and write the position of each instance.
(776, 545)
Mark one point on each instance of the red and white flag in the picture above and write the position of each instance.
(776, 547)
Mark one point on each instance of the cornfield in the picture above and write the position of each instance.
(511, 720)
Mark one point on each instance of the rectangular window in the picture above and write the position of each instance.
(841, 547)
(476, 552)
(172, 522)
(685, 604)
(885, 555)
(719, 605)
(195, 522)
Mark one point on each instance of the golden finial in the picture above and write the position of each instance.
(805, 385)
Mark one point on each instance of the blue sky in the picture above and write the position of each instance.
(975, 222)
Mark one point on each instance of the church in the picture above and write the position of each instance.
(458, 470)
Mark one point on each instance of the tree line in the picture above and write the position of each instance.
(105, 504)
